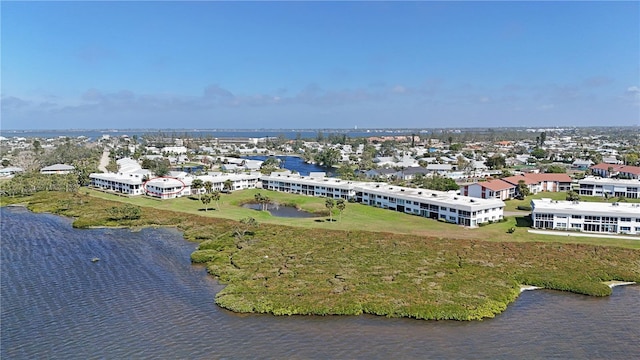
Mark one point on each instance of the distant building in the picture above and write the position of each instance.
(57, 169)
(581, 164)
(616, 170)
(10, 171)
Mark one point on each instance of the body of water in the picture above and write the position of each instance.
(144, 300)
(291, 134)
(296, 163)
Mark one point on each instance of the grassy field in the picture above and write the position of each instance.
(372, 261)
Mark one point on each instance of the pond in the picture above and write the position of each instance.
(282, 210)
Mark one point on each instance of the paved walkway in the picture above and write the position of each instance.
(571, 233)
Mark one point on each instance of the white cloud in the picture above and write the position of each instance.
(546, 107)
(399, 89)
(633, 95)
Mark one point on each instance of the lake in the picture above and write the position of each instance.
(144, 300)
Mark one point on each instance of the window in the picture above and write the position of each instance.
(576, 216)
(625, 219)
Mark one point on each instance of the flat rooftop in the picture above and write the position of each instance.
(608, 181)
(586, 207)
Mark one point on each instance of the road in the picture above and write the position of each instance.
(104, 161)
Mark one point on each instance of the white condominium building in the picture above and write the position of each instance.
(597, 217)
(597, 186)
(130, 184)
(433, 204)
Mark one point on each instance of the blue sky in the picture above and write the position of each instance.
(230, 65)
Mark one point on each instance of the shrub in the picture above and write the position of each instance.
(524, 207)
(203, 256)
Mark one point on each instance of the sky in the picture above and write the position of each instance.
(310, 65)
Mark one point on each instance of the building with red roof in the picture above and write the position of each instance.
(506, 188)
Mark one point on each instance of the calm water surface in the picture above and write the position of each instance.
(295, 163)
(144, 300)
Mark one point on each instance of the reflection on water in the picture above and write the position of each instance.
(144, 299)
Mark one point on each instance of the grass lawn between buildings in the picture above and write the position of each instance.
(372, 261)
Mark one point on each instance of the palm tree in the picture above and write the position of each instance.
(228, 185)
(216, 197)
(208, 186)
(206, 199)
(341, 205)
(265, 202)
(262, 200)
(330, 204)
(197, 184)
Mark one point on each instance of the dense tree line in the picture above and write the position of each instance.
(435, 182)
(30, 183)
(71, 153)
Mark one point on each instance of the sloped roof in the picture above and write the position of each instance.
(496, 185)
(550, 177)
(517, 178)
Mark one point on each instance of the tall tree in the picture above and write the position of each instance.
(197, 184)
(330, 204)
(522, 189)
(341, 205)
(206, 199)
(208, 186)
(215, 196)
(227, 185)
